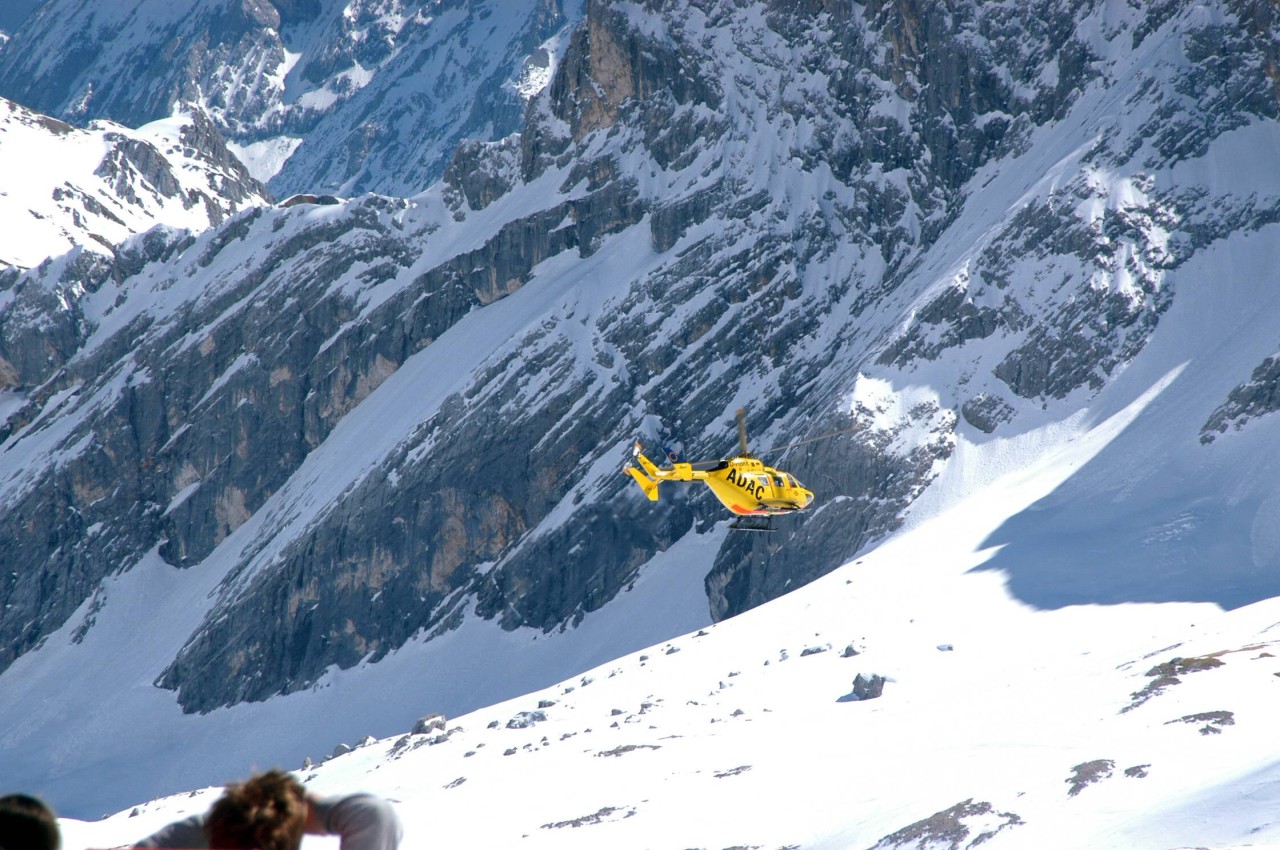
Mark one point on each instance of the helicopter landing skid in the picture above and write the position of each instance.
(747, 524)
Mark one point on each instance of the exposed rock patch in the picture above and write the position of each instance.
(1166, 675)
(965, 825)
(607, 813)
(1213, 721)
(1088, 773)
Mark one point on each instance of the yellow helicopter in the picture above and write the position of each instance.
(742, 483)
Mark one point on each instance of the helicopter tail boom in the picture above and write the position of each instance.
(649, 476)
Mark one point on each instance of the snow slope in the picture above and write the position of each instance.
(1040, 727)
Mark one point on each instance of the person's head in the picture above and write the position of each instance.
(27, 824)
(266, 812)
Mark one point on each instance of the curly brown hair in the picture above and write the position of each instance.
(27, 823)
(265, 812)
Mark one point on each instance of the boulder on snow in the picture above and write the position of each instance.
(525, 719)
(868, 687)
(429, 723)
(865, 687)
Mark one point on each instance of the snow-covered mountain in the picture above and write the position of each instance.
(342, 96)
(92, 188)
(1010, 267)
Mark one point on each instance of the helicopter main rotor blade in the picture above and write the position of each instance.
(826, 436)
(742, 430)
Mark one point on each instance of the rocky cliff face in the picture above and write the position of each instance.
(317, 95)
(51, 60)
(904, 225)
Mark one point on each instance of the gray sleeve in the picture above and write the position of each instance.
(183, 833)
(363, 821)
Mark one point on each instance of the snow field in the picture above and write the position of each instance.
(735, 735)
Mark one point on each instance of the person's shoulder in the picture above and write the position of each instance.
(360, 802)
(367, 821)
(186, 834)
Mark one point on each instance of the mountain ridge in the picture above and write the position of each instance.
(317, 96)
